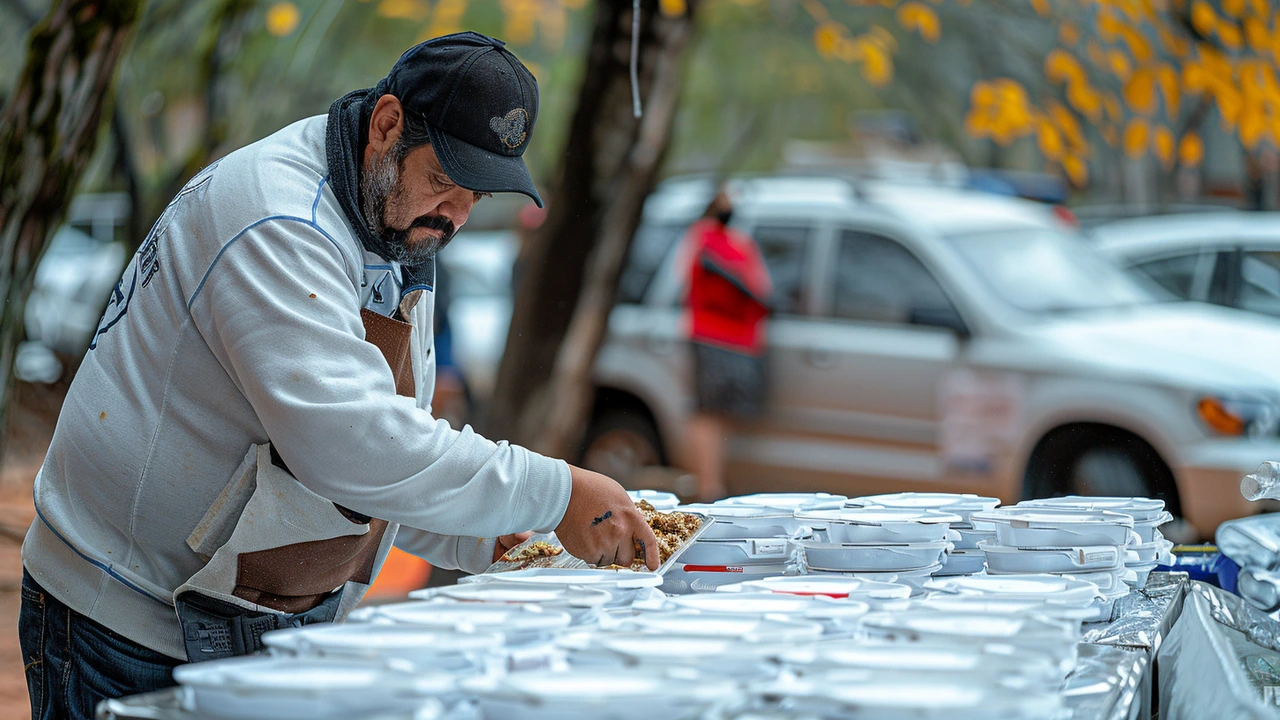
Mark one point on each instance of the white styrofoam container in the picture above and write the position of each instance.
(661, 501)
(1109, 582)
(969, 537)
(747, 522)
(790, 501)
(838, 587)
(1158, 551)
(880, 525)
(1050, 527)
(962, 504)
(682, 579)
(1140, 509)
(422, 647)
(756, 551)
(1021, 631)
(623, 586)
(913, 579)
(1041, 588)
(580, 602)
(974, 662)
(1148, 530)
(851, 557)
(629, 651)
(1006, 560)
(596, 693)
(1140, 575)
(963, 562)
(881, 695)
(835, 616)
(264, 687)
(518, 623)
(743, 628)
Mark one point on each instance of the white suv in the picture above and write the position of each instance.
(928, 338)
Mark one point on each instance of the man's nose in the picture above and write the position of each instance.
(457, 205)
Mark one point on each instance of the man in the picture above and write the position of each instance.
(251, 428)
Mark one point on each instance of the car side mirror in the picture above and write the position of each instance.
(944, 317)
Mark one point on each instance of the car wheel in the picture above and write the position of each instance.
(1090, 459)
(620, 442)
(1108, 471)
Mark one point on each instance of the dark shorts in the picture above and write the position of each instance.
(727, 382)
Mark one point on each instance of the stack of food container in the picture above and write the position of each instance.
(877, 543)
(749, 540)
(1151, 548)
(1088, 545)
(839, 641)
(965, 557)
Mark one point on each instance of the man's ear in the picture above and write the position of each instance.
(386, 123)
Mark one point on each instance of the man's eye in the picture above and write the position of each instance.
(480, 195)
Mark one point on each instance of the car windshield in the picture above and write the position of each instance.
(1042, 270)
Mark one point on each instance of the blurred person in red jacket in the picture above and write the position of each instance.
(727, 301)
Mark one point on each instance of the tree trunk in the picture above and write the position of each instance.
(47, 135)
(569, 271)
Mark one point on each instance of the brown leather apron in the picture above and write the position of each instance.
(274, 546)
(295, 578)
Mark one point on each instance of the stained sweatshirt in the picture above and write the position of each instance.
(238, 323)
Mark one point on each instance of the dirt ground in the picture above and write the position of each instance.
(30, 430)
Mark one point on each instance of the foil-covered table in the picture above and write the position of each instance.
(1113, 678)
(1222, 660)
(1114, 675)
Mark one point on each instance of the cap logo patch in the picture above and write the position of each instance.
(511, 127)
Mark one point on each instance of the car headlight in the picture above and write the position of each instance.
(1239, 416)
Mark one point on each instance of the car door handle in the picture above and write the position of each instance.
(821, 358)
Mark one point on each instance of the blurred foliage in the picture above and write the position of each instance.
(1067, 86)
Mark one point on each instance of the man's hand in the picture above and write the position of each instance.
(506, 542)
(602, 525)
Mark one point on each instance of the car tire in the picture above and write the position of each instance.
(621, 441)
(1098, 460)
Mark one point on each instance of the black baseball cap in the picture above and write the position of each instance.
(479, 102)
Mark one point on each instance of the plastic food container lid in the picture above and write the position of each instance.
(951, 502)
(1048, 517)
(592, 685)
(567, 577)
(500, 592)
(1139, 508)
(792, 501)
(970, 625)
(879, 516)
(376, 640)
(1047, 588)
(834, 587)
(287, 674)
(722, 625)
(661, 501)
(465, 617)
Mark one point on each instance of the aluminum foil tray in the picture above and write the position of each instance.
(565, 561)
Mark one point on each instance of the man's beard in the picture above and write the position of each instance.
(379, 185)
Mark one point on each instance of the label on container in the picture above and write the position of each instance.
(769, 547)
(1097, 556)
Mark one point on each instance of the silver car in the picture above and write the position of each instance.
(926, 338)
(1229, 259)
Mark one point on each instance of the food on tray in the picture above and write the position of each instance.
(671, 528)
(532, 551)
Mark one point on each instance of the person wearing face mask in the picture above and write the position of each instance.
(251, 429)
(727, 305)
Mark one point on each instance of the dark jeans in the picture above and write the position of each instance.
(73, 663)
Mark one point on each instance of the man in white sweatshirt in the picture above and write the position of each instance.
(251, 428)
